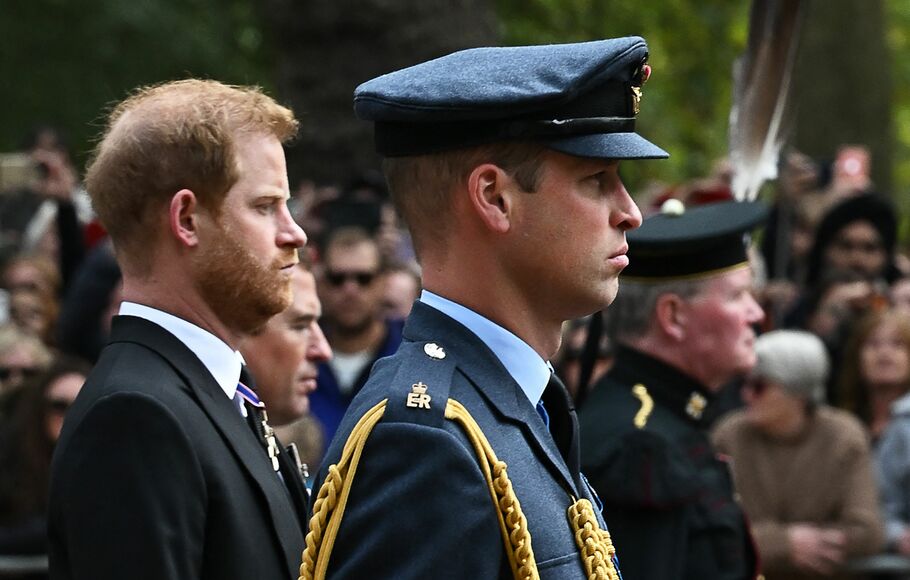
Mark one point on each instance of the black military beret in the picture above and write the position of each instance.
(681, 243)
(581, 99)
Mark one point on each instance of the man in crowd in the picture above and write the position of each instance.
(352, 290)
(683, 321)
(284, 356)
(504, 162)
(402, 288)
(157, 473)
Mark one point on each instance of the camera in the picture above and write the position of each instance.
(20, 171)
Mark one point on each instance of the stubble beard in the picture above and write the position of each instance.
(243, 292)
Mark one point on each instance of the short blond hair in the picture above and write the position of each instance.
(421, 186)
(173, 136)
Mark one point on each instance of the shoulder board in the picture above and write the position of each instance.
(419, 389)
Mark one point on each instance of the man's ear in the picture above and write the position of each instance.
(491, 196)
(671, 316)
(183, 217)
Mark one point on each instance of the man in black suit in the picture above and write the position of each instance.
(159, 472)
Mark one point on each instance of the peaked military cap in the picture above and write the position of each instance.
(581, 99)
(680, 243)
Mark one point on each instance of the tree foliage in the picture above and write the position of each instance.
(693, 44)
(64, 62)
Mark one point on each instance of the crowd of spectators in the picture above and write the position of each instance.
(828, 402)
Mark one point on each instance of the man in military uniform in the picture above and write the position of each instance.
(459, 457)
(684, 324)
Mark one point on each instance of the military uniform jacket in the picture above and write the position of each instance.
(668, 498)
(419, 506)
(157, 475)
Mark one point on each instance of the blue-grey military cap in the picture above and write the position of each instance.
(581, 99)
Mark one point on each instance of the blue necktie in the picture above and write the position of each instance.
(542, 411)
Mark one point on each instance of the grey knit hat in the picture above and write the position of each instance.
(794, 359)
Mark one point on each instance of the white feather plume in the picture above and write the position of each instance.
(761, 94)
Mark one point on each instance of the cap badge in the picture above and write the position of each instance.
(644, 73)
(433, 350)
(418, 397)
(696, 406)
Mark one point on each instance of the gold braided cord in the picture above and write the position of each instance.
(594, 543)
(647, 405)
(512, 522)
(333, 497)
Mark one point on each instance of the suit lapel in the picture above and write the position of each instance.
(491, 379)
(226, 418)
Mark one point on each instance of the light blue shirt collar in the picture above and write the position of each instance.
(529, 370)
(220, 360)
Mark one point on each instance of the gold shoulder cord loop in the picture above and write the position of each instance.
(647, 405)
(333, 497)
(512, 522)
(594, 543)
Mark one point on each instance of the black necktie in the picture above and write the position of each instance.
(563, 423)
(257, 420)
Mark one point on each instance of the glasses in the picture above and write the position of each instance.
(58, 406)
(24, 372)
(338, 279)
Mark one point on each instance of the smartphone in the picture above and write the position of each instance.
(17, 171)
(852, 164)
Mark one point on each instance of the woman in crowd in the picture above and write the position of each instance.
(900, 294)
(803, 468)
(887, 359)
(27, 439)
(875, 371)
(21, 356)
(849, 268)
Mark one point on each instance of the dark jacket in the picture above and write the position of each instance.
(668, 498)
(157, 475)
(327, 402)
(419, 506)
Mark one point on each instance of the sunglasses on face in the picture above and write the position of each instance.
(58, 406)
(757, 385)
(338, 279)
(24, 372)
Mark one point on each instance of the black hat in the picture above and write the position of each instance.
(870, 207)
(581, 99)
(688, 244)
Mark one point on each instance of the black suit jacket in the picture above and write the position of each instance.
(157, 476)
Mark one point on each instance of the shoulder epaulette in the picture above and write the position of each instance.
(419, 389)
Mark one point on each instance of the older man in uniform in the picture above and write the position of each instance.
(684, 323)
(459, 457)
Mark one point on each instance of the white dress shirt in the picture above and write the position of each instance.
(223, 362)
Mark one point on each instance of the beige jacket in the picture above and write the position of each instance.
(821, 476)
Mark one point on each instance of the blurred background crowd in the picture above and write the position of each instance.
(828, 263)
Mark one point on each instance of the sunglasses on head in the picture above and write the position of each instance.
(339, 278)
(25, 372)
